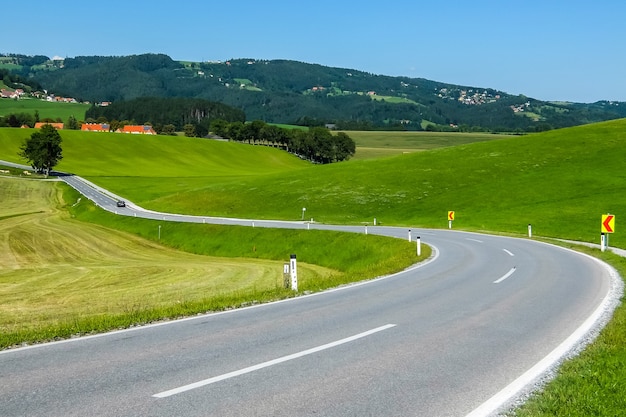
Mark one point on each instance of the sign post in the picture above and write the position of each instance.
(293, 268)
(607, 226)
(286, 278)
(450, 219)
(602, 242)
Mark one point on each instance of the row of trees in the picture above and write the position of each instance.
(316, 144)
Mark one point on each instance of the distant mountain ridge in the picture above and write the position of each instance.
(283, 91)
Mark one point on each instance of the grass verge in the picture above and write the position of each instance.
(593, 383)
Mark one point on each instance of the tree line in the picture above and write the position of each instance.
(315, 144)
(167, 115)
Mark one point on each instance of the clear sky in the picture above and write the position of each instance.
(570, 50)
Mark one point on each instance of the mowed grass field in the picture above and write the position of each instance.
(375, 144)
(46, 109)
(61, 276)
(55, 270)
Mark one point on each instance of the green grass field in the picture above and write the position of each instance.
(561, 181)
(374, 144)
(46, 109)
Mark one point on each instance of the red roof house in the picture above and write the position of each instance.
(139, 130)
(58, 126)
(96, 127)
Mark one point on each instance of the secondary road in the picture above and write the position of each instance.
(442, 339)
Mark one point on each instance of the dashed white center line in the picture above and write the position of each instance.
(505, 276)
(509, 252)
(253, 368)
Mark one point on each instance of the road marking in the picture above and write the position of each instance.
(473, 240)
(273, 362)
(505, 276)
(509, 252)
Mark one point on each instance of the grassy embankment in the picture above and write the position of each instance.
(560, 181)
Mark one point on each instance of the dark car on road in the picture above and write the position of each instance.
(121, 203)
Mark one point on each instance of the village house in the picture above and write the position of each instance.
(4, 93)
(57, 126)
(137, 130)
(95, 127)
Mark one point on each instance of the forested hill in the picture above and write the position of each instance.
(282, 91)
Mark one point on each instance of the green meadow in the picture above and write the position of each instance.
(560, 181)
(46, 109)
(374, 144)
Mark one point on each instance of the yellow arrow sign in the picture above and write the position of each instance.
(608, 223)
(450, 215)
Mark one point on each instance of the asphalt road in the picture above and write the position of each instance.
(440, 339)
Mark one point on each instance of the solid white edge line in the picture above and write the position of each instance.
(272, 362)
(505, 276)
(522, 383)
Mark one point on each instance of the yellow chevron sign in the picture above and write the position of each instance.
(608, 223)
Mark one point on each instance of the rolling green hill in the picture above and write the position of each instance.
(561, 181)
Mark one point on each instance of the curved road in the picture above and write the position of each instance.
(462, 334)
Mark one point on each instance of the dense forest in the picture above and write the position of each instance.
(282, 91)
(167, 114)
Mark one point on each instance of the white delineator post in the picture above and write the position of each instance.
(293, 268)
(419, 246)
(530, 230)
(409, 235)
(602, 242)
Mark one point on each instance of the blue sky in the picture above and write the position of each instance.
(546, 49)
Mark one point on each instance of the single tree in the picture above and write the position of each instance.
(72, 123)
(190, 130)
(43, 149)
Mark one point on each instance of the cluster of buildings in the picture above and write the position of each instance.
(468, 97)
(17, 93)
(520, 107)
(105, 127)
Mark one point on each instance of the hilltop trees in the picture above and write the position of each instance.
(43, 149)
(316, 144)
